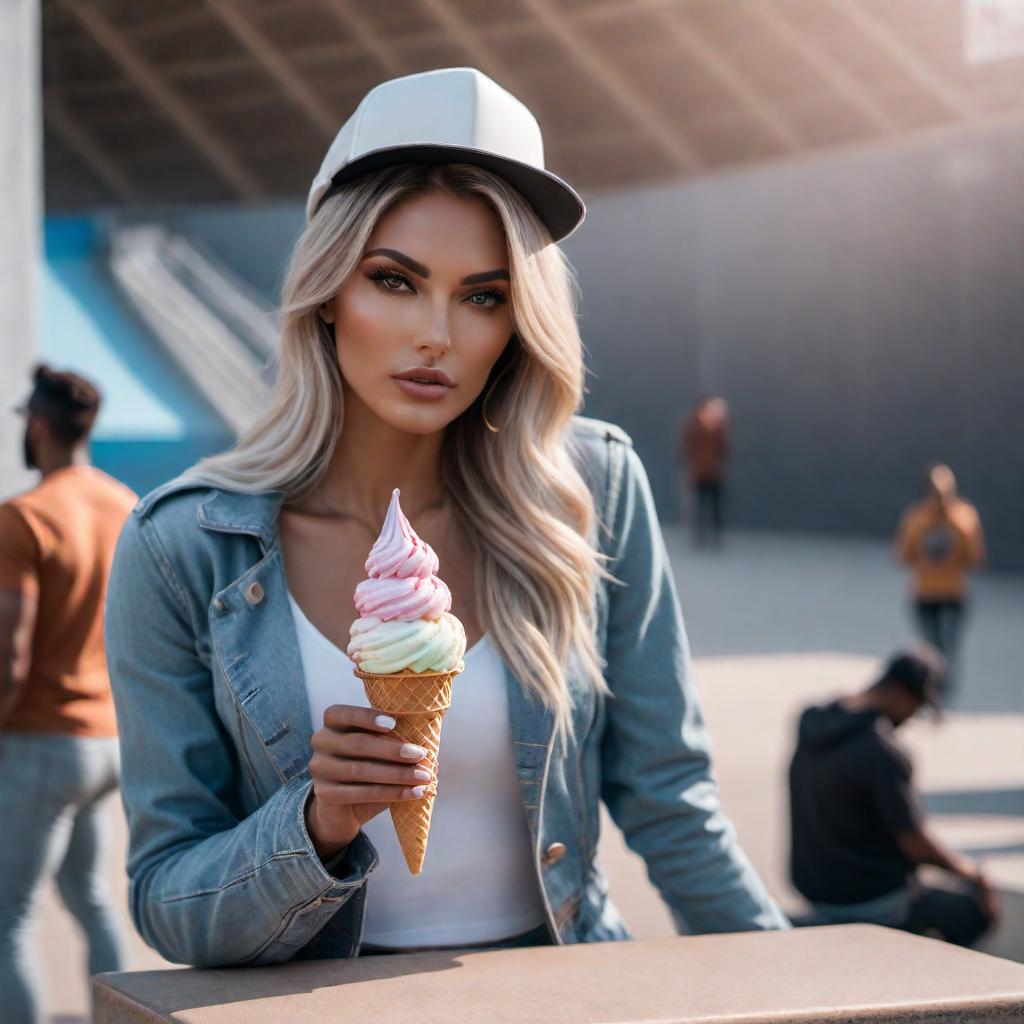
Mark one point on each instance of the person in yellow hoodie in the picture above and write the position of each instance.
(940, 539)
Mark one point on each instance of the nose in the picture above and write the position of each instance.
(436, 338)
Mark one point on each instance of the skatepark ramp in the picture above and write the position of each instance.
(205, 317)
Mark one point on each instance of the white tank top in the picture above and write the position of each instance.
(478, 882)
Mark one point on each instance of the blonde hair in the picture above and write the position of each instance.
(517, 494)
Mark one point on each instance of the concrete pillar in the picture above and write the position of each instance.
(20, 220)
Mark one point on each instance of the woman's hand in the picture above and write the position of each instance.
(358, 767)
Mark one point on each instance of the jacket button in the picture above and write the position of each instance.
(219, 606)
(553, 854)
(254, 593)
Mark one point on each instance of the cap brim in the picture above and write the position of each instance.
(557, 204)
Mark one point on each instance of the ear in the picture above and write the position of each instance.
(326, 314)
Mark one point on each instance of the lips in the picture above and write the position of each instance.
(425, 375)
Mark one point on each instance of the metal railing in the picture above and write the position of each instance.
(204, 316)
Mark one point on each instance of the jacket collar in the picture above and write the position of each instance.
(234, 512)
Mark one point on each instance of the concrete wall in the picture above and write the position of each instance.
(19, 224)
(862, 311)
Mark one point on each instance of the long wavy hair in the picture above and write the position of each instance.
(517, 494)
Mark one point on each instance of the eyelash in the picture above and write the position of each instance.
(382, 274)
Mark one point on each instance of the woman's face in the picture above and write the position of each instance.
(431, 292)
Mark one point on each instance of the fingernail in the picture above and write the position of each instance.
(384, 722)
(422, 774)
(410, 750)
(418, 791)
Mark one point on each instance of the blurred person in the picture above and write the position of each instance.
(941, 540)
(428, 344)
(704, 446)
(858, 827)
(58, 746)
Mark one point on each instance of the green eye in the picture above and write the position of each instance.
(490, 299)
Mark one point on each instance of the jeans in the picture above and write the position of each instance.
(954, 917)
(708, 505)
(539, 936)
(939, 623)
(51, 792)
(890, 910)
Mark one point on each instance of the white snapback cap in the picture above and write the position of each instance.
(454, 115)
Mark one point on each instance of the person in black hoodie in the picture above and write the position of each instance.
(858, 829)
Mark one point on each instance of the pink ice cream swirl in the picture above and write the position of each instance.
(398, 551)
(402, 570)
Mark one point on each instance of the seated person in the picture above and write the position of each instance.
(858, 828)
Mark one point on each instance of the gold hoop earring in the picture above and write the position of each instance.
(490, 391)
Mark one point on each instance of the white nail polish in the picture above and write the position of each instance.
(418, 791)
(410, 750)
(422, 774)
(384, 722)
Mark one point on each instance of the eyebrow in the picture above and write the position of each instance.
(487, 275)
(421, 271)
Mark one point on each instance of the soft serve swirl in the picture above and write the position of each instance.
(404, 619)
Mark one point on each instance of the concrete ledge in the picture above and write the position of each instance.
(856, 973)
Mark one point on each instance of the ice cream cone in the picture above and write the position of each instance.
(407, 647)
(417, 702)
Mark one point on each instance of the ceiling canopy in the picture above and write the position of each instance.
(200, 100)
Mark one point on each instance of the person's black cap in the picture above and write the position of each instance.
(66, 399)
(920, 671)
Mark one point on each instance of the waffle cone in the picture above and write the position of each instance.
(417, 702)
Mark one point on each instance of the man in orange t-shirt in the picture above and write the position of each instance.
(941, 540)
(58, 737)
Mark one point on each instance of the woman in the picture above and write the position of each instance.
(252, 790)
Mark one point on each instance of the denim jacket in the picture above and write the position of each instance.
(215, 739)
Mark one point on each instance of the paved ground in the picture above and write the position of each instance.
(775, 622)
(779, 622)
(783, 594)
